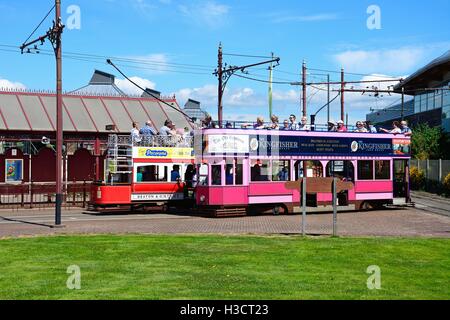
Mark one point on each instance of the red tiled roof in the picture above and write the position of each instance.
(36, 111)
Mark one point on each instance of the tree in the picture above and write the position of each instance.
(430, 143)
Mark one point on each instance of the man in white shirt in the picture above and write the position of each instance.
(293, 126)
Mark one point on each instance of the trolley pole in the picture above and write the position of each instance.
(304, 89)
(342, 94)
(220, 89)
(403, 104)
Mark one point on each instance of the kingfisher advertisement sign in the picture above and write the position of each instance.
(271, 145)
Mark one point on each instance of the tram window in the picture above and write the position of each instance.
(239, 174)
(281, 170)
(229, 174)
(203, 175)
(314, 169)
(382, 170)
(365, 170)
(341, 169)
(216, 171)
(151, 173)
(260, 170)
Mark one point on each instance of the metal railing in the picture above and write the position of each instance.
(42, 195)
(177, 141)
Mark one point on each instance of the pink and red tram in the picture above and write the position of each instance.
(245, 171)
(148, 173)
(249, 168)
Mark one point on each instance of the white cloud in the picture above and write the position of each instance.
(387, 61)
(209, 13)
(143, 5)
(130, 89)
(156, 63)
(6, 84)
(400, 60)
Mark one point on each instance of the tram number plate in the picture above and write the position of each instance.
(156, 196)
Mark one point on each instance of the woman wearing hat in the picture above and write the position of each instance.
(332, 126)
(341, 127)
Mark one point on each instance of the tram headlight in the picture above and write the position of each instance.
(99, 194)
(202, 198)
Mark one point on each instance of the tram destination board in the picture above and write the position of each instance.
(279, 145)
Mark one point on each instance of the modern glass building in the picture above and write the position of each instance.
(430, 89)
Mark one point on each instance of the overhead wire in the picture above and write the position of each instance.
(40, 23)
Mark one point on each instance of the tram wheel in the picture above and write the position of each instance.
(366, 206)
(276, 210)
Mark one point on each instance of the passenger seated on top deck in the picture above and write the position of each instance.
(167, 129)
(274, 124)
(395, 128)
(304, 126)
(207, 123)
(360, 127)
(293, 126)
(259, 125)
(285, 126)
(332, 126)
(229, 125)
(148, 130)
(341, 127)
(135, 137)
(405, 129)
(175, 174)
(371, 128)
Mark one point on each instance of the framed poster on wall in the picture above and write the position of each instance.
(13, 170)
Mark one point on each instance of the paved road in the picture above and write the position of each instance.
(407, 222)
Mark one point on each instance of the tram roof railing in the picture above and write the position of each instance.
(176, 141)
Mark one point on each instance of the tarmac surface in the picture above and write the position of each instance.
(392, 222)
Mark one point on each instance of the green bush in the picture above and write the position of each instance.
(446, 185)
(417, 178)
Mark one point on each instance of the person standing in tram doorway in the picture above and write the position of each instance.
(175, 173)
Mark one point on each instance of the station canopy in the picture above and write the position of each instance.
(89, 109)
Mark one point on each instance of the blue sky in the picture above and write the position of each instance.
(176, 45)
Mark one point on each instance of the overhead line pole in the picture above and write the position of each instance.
(54, 35)
(270, 87)
(59, 117)
(328, 98)
(224, 74)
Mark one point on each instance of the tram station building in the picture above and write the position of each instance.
(429, 87)
(90, 114)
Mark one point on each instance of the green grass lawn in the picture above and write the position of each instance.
(223, 267)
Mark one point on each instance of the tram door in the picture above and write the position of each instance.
(401, 179)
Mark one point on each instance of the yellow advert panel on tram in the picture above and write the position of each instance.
(162, 153)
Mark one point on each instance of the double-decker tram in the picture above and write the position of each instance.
(248, 169)
(234, 172)
(149, 172)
